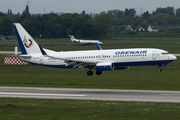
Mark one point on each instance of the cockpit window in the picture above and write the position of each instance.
(164, 53)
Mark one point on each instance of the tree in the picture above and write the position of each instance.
(163, 18)
(8, 13)
(66, 20)
(144, 25)
(77, 23)
(33, 26)
(174, 20)
(68, 32)
(51, 27)
(2, 14)
(131, 12)
(103, 22)
(137, 21)
(159, 10)
(151, 20)
(6, 26)
(116, 14)
(88, 29)
(126, 12)
(167, 10)
(170, 11)
(83, 13)
(146, 15)
(178, 12)
(25, 14)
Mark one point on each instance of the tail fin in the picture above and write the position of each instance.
(72, 37)
(26, 42)
(98, 46)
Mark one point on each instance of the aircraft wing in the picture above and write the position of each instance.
(76, 63)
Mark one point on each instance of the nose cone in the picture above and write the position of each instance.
(173, 57)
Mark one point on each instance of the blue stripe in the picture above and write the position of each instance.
(143, 63)
(146, 63)
(23, 50)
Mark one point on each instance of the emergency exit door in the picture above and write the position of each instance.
(154, 55)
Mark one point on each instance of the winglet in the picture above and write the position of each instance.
(98, 46)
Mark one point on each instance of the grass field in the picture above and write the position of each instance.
(42, 109)
(170, 44)
(134, 78)
(144, 78)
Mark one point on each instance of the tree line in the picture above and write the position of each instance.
(83, 25)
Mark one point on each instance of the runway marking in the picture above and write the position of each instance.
(141, 100)
(41, 94)
(171, 94)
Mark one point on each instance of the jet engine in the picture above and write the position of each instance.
(104, 66)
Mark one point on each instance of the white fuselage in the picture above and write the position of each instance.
(87, 41)
(84, 42)
(118, 57)
(101, 60)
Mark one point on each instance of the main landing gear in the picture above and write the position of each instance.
(90, 73)
(159, 69)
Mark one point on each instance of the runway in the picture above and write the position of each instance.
(91, 94)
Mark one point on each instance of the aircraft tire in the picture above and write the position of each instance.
(89, 73)
(159, 70)
(98, 72)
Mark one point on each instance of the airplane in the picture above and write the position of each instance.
(101, 60)
(84, 42)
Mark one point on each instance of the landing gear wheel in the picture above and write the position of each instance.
(159, 70)
(89, 73)
(98, 72)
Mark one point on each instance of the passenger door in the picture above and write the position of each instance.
(41, 60)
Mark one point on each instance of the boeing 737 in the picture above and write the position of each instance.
(101, 60)
(84, 42)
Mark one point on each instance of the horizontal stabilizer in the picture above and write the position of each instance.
(24, 56)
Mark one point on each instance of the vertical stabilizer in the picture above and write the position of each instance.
(72, 37)
(26, 42)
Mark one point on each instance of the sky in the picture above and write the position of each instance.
(94, 6)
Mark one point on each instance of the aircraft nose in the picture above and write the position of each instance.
(173, 57)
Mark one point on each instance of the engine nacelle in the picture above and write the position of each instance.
(122, 68)
(104, 66)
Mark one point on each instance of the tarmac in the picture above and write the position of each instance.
(91, 94)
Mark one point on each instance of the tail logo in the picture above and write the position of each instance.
(27, 43)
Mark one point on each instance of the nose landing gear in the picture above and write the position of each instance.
(159, 70)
